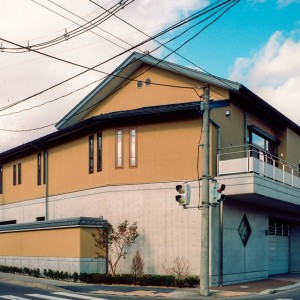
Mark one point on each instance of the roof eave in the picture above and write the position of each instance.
(120, 75)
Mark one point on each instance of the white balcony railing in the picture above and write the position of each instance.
(248, 158)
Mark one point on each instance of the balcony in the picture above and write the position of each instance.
(249, 159)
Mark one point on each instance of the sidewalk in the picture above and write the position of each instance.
(267, 286)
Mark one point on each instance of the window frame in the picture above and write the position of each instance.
(19, 173)
(119, 151)
(14, 174)
(39, 168)
(99, 151)
(133, 148)
(91, 154)
(1, 179)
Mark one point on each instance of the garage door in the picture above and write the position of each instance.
(278, 248)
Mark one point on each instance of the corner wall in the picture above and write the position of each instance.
(64, 245)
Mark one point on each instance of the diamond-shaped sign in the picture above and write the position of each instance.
(244, 230)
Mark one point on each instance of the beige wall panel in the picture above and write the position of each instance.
(10, 244)
(45, 243)
(68, 165)
(131, 97)
(28, 189)
(157, 160)
(293, 146)
(283, 146)
(232, 127)
(87, 243)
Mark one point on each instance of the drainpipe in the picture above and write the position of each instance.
(218, 134)
(47, 186)
(246, 130)
(220, 213)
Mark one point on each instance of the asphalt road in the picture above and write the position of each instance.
(18, 292)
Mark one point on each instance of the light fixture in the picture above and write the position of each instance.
(148, 82)
(227, 113)
(139, 84)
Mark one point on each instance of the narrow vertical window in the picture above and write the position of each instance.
(99, 152)
(14, 174)
(91, 154)
(19, 173)
(39, 169)
(133, 147)
(119, 148)
(1, 179)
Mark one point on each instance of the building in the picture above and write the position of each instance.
(120, 153)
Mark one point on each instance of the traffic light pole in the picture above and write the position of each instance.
(204, 267)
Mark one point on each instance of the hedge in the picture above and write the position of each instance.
(95, 278)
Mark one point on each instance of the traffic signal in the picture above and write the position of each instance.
(220, 196)
(215, 193)
(184, 194)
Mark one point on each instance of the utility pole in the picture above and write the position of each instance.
(204, 269)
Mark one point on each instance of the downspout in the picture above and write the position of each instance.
(218, 134)
(220, 212)
(246, 131)
(47, 185)
(247, 141)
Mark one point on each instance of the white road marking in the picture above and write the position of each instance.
(48, 297)
(11, 297)
(78, 296)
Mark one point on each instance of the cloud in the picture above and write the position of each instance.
(280, 3)
(283, 3)
(22, 75)
(273, 72)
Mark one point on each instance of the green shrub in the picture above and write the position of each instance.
(95, 278)
(75, 276)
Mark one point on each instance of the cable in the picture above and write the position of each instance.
(73, 33)
(50, 101)
(107, 32)
(165, 45)
(87, 68)
(152, 66)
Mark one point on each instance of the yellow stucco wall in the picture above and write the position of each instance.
(157, 160)
(28, 189)
(64, 242)
(131, 97)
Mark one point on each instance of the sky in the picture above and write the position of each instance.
(255, 42)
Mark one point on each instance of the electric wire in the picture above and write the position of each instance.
(87, 69)
(164, 45)
(124, 3)
(97, 27)
(71, 34)
(138, 75)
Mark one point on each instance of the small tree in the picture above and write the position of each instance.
(179, 269)
(114, 242)
(137, 265)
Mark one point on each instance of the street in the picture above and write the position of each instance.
(18, 292)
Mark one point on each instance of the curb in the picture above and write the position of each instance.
(31, 283)
(284, 288)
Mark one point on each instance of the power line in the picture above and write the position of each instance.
(175, 52)
(81, 18)
(233, 3)
(71, 34)
(199, 13)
